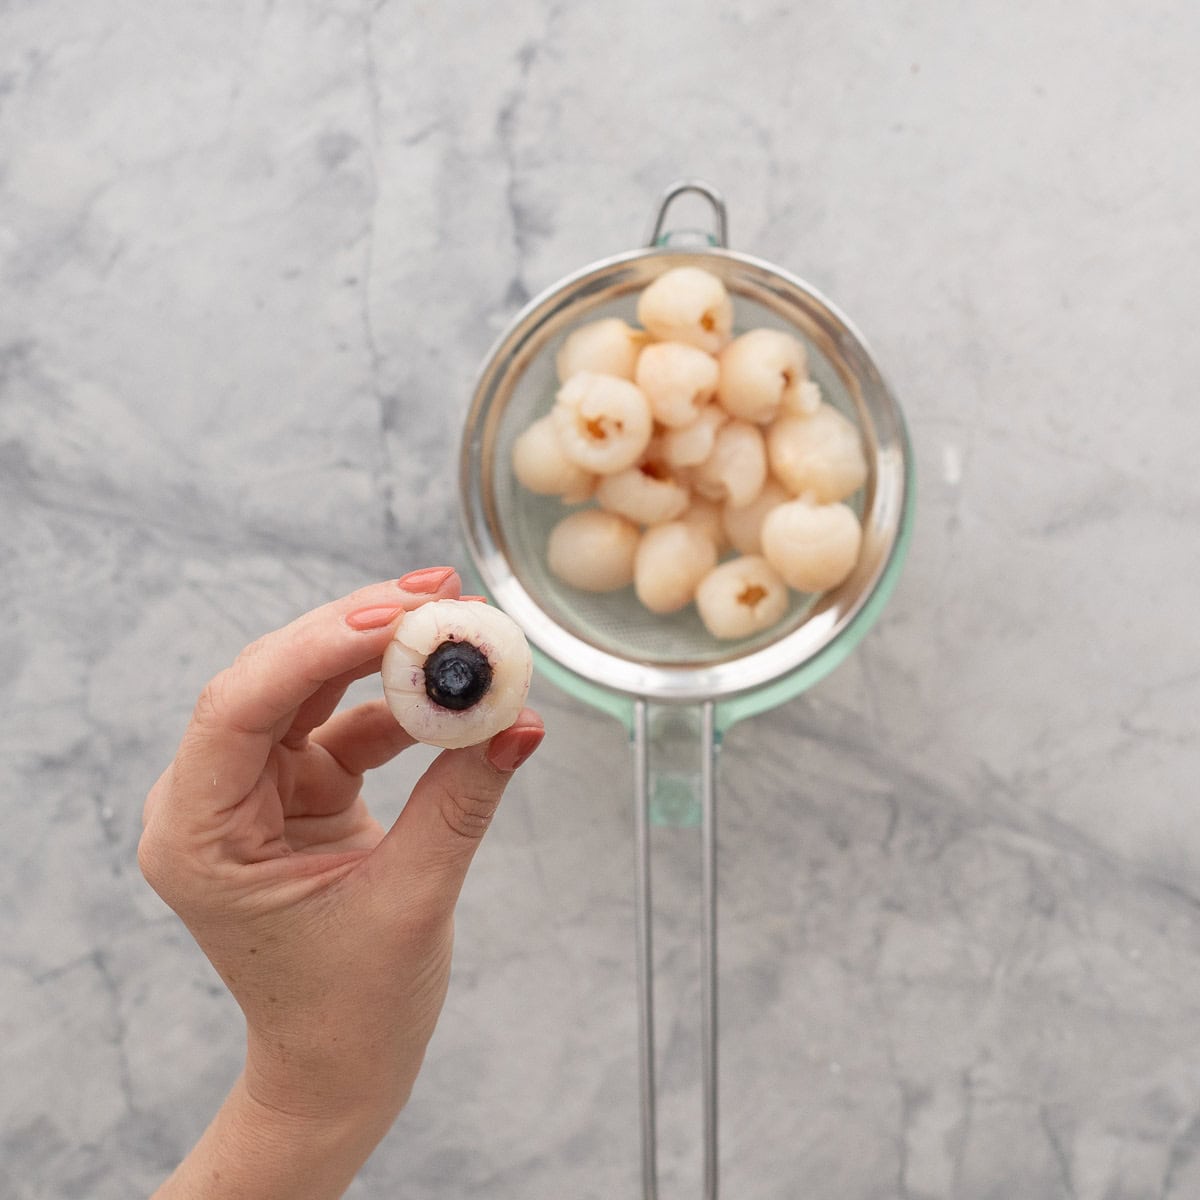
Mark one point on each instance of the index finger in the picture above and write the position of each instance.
(248, 707)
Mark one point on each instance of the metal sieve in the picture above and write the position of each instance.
(666, 678)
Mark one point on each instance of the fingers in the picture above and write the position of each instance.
(434, 839)
(318, 708)
(339, 753)
(305, 667)
(364, 737)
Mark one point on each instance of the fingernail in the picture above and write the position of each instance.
(374, 617)
(508, 750)
(476, 599)
(428, 579)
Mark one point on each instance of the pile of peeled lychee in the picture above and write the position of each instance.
(688, 443)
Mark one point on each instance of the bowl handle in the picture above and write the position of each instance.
(720, 235)
(658, 734)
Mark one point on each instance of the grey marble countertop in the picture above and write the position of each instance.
(251, 255)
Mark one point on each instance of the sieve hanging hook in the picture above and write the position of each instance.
(679, 188)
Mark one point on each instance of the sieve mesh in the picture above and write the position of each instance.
(616, 622)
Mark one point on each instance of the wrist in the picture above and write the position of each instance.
(315, 1079)
(257, 1151)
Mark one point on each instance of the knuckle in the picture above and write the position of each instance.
(154, 797)
(468, 813)
(252, 651)
(217, 706)
(211, 703)
(151, 860)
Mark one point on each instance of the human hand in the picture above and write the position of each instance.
(333, 936)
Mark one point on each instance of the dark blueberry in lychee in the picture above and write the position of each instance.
(457, 675)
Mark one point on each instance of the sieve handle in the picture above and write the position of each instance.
(720, 236)
(646, 774)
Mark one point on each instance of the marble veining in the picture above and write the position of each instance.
(251, 255)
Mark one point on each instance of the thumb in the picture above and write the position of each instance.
(434, 839)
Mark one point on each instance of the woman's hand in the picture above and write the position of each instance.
(333, 935)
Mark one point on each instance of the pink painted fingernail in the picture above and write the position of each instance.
(428, 579)
(374, 617)
(509, 749)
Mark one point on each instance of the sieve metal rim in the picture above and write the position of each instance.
(886, 513)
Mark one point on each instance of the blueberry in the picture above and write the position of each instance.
(457, 675)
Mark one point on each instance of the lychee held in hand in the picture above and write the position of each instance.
(456, 672)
